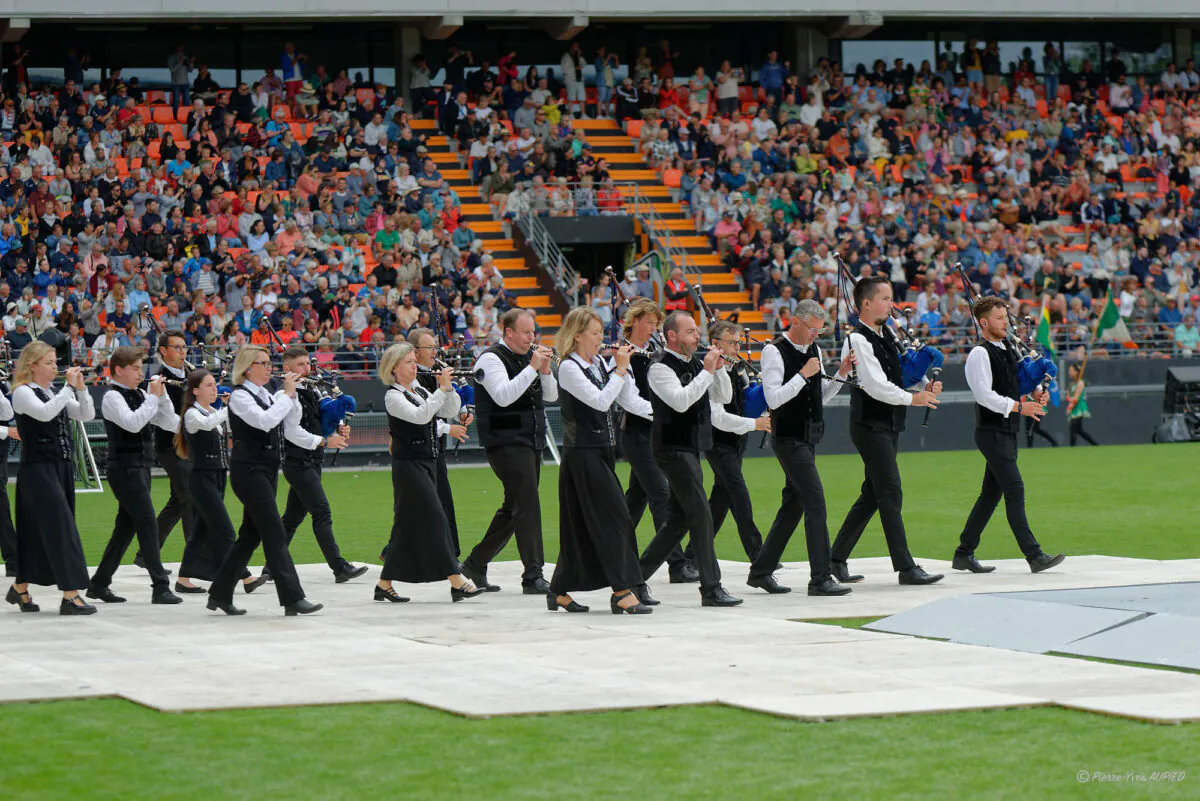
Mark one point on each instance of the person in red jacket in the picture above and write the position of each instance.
(677, 291)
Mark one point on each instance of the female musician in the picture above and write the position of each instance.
(1077, 408)
(202, 439)
(256, 420)
(48, 546)
(420, 549)
(597, 545)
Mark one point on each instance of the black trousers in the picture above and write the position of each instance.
(179, 508)
(881, 492)
(688, 512)
(730, 495)
(8, 534)
(803, 497)
(255, 486)
(1076, 431)
(135, 517)
(306, 496)
(1001, 479)
(647, 485)
(519, 469)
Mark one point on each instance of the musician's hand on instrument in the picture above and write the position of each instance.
(847, 365)
(936, 387)
(622, 358)
(541, 359)
(762, 424)
(156, 386)
(289, 384)
(1033, 409)
(344, 430)
(1042, 396)
(925, 398)
(14, 433)
(336, 441)
(811, 368)
(445, 379)
(75, 377)
(458, 432)
(713, 360)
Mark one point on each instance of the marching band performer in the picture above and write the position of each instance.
(514, 382)
(48, 546)
(682, 430)
(256, 420)
(790, 365)
(203, 440)
(877, 411)
(130, 416)
(420, 549)
(598, 547)
(992, 377)
(647, 484)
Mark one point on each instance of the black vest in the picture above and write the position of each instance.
(864, 409)
(411, 440)
(130, 448)
(50, 441)
(1004, 382)
(209, 450)
(736, 406)
(165, 440)
(583, 426)
(522, 422)
(310, 421)
(253, 445)
(803, 417)
(639, 367)
(690, 430)
(427, 378)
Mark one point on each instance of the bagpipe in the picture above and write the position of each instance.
(1035, 372)
(754, 399)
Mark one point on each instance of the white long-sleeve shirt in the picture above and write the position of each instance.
(871, 377)
(632, 401)
(665, 384)
(979, 379)
(279, 407)
(441, 403)
(721, 393)
(776, 391)
(297, 434)
(198, 418)
(155, 410)
(505, 391)
(6, 413)
(574, 382)
(78, 403)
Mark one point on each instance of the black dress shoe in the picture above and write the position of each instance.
(302, 607)
(1044, 561)
(614, 604)
(390, 594)
(718, 597)
(917, 575)
(684, 574)
(827, 586)
(465, 591)
(480, 579)
(186, 590)
(227, 608)
(20, 599)
(841, 572)
(767, 583)
(347, 572)
(972, 564)
(643, 594)
(165, 596)
(539, 586)
(104, 594)
(251, 586)
(76, 606)
(553, 605)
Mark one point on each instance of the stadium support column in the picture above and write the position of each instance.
(1183, 44)
(808, 45)
(406, 43)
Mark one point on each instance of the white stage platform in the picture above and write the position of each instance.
(505, 654)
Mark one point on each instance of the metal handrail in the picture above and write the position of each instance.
(550, 256)
(660, 234)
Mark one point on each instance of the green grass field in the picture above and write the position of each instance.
(1129, 501)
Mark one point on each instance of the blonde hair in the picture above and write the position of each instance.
(637, 309)
(31, 354)
(391, 357)
(245, 360)
(574, 324)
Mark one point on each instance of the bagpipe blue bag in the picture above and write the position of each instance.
(916, 363)
(1030, 373)
(755, 400)
(334, 411)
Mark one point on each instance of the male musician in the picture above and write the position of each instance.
(304, 453)
(682, 430)
(425, 344)
(730, 430)
(992, 377)
(513, 383)
(647, 484)
(791, 375)
(129, 414)
(877, 411)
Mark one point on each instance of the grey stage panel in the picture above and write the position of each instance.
(1154, 640)
(1003, 622)
(1178, 598)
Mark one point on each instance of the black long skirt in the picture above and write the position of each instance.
(48, 546)
(597, 546)
(420, 549)
(212, 533)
